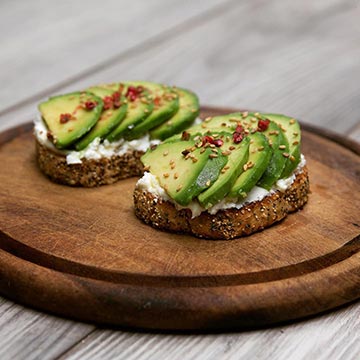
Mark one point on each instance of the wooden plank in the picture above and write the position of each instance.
(294, 65)
(62, 39)
(331, 336)
(28, 334)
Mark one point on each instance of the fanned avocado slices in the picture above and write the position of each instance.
(280, 148)
(113, 113)
(188, 111)
(140, 106)
(237, 155)
(166, 104)
(292, 131)
(70, 116)
(184, 169)
(260, 154)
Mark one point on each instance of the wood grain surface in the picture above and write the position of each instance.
(76, 246)
(299, 58)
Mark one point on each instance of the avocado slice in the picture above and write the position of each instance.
(188, 111)
(224, 122)
(212, 125)
(280, 147)
(166, 104)
(109, 119)
(260, 154)
(70, 116)
(184, 169)
(238, 155)
(139, 108)
(292, 131)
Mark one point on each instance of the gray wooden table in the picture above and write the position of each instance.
(296, 57)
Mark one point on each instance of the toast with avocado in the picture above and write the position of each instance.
(97, 136)
(228, 177)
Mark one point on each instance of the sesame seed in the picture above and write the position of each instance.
(286, 155)
(146, 168)
(292, 158)
(282, 147)
(226, 167)
(261, 148)
(213, 156)
(194, 159)
(208, 119)
(295, 143)
(232, 147)
(165, 153)
(203, 126)
(245, 167)
(172, 166)
(202, 150)
(223, 124)
(226, 153)
(232, 119)
(223, 171)
(166, 175)
(178, 188)
(176, 175)
(274, 132)
(295, 133)
(245, 114)
(292, 121)
(208, 183)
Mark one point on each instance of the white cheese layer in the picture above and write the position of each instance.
(96, 149)
(150, 183)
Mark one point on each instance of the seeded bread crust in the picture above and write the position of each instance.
(225, 224)
(90, 173)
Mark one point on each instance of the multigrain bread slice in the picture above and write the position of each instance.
(90, 172)
(225, 224)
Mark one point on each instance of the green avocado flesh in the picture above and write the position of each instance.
(188, 111)
(166, 104)
(260, 155)
(137, 111)
(291, 130)
(108, 120)
(238, 155)
(183, 169)
(67, 117)
(280, 146)
(141, 106)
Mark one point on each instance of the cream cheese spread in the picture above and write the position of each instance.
(96, 149)
(150, 183)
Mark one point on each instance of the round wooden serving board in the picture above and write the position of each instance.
(83, 254)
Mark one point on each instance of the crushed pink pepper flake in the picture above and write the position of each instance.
(238, 137)
(108, 102)
(211, 140)
(133, 92)
(64, 118)
(263, 124)
(89, 105)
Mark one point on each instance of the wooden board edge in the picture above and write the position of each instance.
(248, 306)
